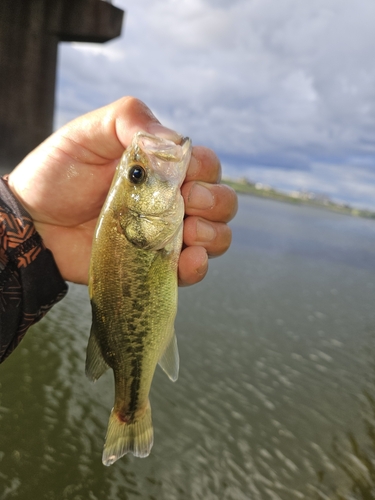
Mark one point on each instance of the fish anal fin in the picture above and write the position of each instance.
(170, 360)
(95, 364)
(136, 437)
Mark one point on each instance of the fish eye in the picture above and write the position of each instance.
(137, 174)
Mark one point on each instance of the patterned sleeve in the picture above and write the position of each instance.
(30, 282)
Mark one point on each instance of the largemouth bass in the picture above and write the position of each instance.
(133, 285)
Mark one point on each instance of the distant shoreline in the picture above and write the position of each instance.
(246, 187)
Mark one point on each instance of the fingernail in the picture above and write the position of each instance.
(200, 197)
(203, 268)
(194, 166)
(205, 232)
(164, 132)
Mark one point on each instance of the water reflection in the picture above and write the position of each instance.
(274, 351)
(353, 455)
(52, 424)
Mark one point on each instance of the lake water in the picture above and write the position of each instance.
(276, 395)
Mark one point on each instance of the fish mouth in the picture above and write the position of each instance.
(163, 149)
(184, 141)
(185, 144)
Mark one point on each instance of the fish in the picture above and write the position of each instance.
(133, 285)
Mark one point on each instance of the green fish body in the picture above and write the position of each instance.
(133, 285)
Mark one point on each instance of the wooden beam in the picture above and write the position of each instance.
(29, 34)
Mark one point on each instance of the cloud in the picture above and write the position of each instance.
(285, 86)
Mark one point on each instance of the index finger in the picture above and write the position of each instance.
(204, 166)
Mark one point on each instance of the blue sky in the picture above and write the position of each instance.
(282, 90)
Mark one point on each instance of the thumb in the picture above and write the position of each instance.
(107, 131)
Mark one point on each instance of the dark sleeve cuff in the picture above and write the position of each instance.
(30, 282)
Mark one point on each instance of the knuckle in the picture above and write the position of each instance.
(130, 102)
(134, 106)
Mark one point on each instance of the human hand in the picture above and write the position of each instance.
(63, 184)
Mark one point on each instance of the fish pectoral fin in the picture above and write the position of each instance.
(170, 359)
(95, 364)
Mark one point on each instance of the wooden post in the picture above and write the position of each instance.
(29, 33)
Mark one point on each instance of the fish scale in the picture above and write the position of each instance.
(133, 285)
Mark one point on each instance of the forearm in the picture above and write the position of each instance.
(30, 282)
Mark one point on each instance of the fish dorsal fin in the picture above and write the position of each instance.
(95, 364)
(170, 360)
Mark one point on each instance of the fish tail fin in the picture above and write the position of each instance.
(136, 437)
